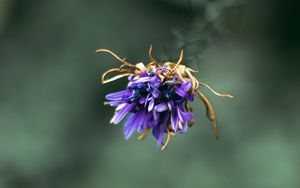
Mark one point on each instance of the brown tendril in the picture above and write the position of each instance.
(104, 81)
(152, 60)
(210, 112)
(116, 56)
(178, 62)
(216, 93)
(144, 134)
(167, 141)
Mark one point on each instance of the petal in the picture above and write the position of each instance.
(147, 98)
(183, 89)
(129, 126)
(130, 77)
(155, 93)
(161, 107)
(159, 130)
(156, 132)
(119, 115)
(155, 115)
(151, 105)
(149, 121)
(174, 121)
(190, 97)
(184, 127)
(118, 95)
(184, 116)
(142, 100)
(141, 118)
(142, 79)
(113, 103)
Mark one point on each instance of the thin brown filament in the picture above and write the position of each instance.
(178, 62)
(216, 93)
(144, 134)
(210, 112)
(115, 56)
(167, 141)
(194, 81)
(104, 81)
(191, 70)
(152, 60)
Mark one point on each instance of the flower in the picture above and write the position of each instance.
(156, 98)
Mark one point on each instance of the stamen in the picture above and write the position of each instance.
(216, 93)
(115, 56)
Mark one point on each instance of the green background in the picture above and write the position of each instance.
(54, 129)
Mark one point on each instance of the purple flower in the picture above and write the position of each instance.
(152, 103)
(156, 98)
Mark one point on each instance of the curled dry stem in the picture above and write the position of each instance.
(167, 141)
(104, 80)
(210, 112)
(152, 60)
(216, 93)
(178, 62)
(144, 134)
(116, 56)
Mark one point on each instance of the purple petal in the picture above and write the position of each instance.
(190, 97)
(122, 113)
(147, 99)
(174, 120)
(183, 89)
(129, 126)
(161, 107)
(158, 133)
(149, 122)
(155, 93)
(130, 77)
(141, 118)
(184, 127)
(117, 95)
(143, 74)
(134, 122)
(184, 116)
(113, 103)
(142, 79)
(155, 115)
(159, 130)
(142, 100)
(151, 105)
(146, 120)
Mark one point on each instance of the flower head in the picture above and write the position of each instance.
(156, 98)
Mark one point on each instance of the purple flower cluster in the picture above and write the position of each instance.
(157, 98)
(154, 102)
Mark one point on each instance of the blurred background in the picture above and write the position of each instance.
(54, 128)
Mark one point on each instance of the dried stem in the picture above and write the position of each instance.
(210, 112)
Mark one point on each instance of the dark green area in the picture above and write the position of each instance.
(54, 128)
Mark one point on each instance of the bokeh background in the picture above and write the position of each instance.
(54, 129)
